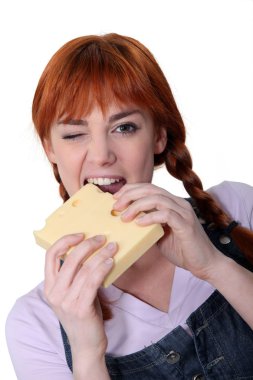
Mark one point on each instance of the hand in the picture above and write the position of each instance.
(71, 290)
(184, 242)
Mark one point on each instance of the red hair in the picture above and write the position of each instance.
(100, 69)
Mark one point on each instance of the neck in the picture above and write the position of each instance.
(149, 279)
(148, 265)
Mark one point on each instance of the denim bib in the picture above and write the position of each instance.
(220, 348)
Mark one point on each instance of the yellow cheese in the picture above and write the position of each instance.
(90, 211)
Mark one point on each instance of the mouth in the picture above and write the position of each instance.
(107, 184)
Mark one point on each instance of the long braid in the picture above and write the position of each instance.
(62, 191)
(179, 164)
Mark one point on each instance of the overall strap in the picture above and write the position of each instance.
(222, 239)
(67, 348)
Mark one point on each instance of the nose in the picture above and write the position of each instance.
(100, 152)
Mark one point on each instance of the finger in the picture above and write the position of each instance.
(54, 254)
(150, 203)
(125, 188)
(95, 280)
(122, 201)
(92, 274)
(166, 216)
(75, 259)
(130, 193)
(176, 221)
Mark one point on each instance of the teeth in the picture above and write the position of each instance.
(102, 181)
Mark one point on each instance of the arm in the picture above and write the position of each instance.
(186, 244)
(94, 367)
(235, 283)
(71, 291)
(33, 337)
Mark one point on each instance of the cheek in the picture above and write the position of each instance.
(68, 159)
(69, 167)
(148, 163)
(141, 162)
(65, 162)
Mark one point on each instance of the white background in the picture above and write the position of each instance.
(205, 48)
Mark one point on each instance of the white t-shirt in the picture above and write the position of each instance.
(33, 331)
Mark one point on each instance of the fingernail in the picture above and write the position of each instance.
(99, 238)
(114, 206)
(111, 246)
(125, 215)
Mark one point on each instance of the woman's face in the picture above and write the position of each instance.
(108, 150)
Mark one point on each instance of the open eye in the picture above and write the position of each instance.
(126, 128)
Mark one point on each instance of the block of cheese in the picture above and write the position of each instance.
(90, 211)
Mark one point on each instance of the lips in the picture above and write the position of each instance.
(107, 184)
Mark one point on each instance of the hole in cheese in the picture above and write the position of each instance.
(76, 202)
(115, 213)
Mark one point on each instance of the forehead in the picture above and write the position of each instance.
(113, 112)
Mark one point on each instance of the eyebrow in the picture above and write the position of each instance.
(123, 114)
(73, 122)
(112, 118)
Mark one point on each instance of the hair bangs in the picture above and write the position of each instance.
(101, 82)
(98, 71)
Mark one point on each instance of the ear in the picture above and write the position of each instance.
(48, 148)
(160, 140)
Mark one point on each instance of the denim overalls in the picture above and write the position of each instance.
(220, 348)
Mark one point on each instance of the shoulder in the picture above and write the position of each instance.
(236, 199)
(30, 309)
(33, 335)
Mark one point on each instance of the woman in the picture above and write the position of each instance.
(105, 114)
